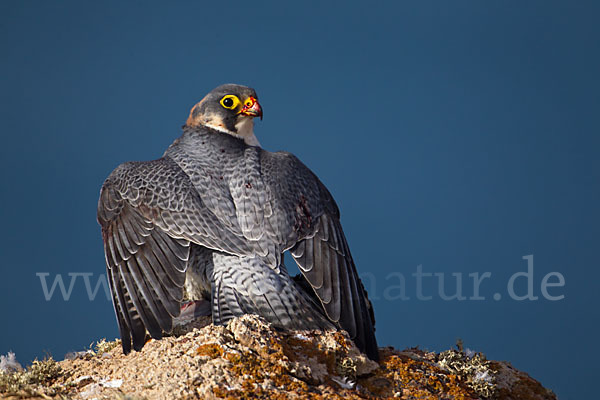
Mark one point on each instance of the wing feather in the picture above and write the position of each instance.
(327, 265)
(147, 245)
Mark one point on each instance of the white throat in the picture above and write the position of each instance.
(245, 130)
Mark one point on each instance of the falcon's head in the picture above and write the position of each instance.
(228, 108)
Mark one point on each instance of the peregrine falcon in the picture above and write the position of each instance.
(211, 220)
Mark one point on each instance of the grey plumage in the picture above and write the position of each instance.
(212, 218)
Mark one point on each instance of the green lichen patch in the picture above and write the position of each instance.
(103, 346)
(473, 369)
(30, 381)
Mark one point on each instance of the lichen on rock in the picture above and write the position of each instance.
(472, 368)
(35, 381)
(249, 358)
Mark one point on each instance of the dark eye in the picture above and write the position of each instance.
(228, 102)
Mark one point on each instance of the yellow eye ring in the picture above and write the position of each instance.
(230, 102)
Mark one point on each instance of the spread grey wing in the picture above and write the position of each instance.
(150, 213)
(311, 227)
(325, 261)
(146, 273)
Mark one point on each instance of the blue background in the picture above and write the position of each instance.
(460, 136)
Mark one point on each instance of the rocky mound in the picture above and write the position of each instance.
(248, 358)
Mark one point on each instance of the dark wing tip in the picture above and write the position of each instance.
(126, 345)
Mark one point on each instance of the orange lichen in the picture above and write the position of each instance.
(342, 340)
(259, 369)
(400, 375)
(211, 350)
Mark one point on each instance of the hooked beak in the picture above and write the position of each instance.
(252, 108)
